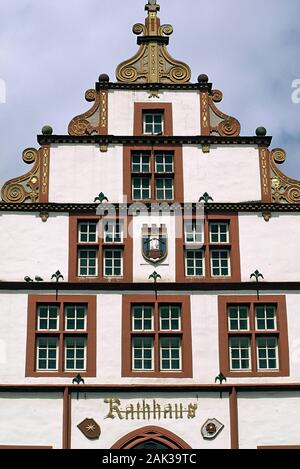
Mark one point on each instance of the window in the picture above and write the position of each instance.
(210, 249)
(153, 119)
(156, 337)
(194, 263)
(113, 263)
(153, 174)
(253, 336)
(97, 251)
(61, 336)
(87, 262)
(153, 122)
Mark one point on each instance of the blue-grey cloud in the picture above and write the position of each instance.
(52, 51)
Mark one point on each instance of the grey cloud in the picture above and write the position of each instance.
(52, 51)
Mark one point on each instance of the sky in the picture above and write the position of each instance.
(52, 51)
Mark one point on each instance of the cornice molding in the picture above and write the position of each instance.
(49, 207)
(184, 287)
(153, 86)
(154, 140)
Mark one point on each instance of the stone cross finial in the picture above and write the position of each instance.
(152, 6)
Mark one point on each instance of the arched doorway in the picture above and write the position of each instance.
(151, 438)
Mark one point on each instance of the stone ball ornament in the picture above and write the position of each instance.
(203, 78)
(47, 130)
(261, 131)
(103, 78)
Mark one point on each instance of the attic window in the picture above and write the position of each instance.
(153, 123)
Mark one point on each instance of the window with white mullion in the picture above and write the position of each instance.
(113, 231)
(48, 318)
(153, 123)
(164, 188)
(75, 318)
(220, 263)
(267, 353)
(239, 353)
(164, 162)
(142, 318)
(219, 232)
(170, 318)
(194, 231)
(141, 188)
(142, 354)
(140, 162)
(265, 318)
(88, 262)
(87, 232)
(47, 354)
(113, 262)
(170, 354)
(194, 263)
(75, 353)
(238, 318)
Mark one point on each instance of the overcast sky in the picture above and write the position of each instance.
(51, 51)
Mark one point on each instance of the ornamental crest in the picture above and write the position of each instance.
(154, 243)
(90, 429)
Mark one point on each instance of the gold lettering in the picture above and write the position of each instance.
(129, 412)
(114, 405)
(138, 410)
(156, 410)
(192, 411)
(178, 411)
(168, 410)
(146, 411)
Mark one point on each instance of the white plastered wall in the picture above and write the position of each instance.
(227, 173)
(31, 419)
(209, 406)
(30, 247)
(185, 105)
(271, 247)
(78, 173)
(268, 419)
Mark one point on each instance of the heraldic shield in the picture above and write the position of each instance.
(154, 243)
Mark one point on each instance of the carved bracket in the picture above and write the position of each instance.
(25, 188)
(220, 123)
(284, 188)
(94, 121)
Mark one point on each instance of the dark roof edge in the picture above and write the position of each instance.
(154, 140)
(161, 287)
(204, 86)
(91, 208)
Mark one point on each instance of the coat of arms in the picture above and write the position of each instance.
(154, 243)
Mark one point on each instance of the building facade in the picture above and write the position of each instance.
(149, 273)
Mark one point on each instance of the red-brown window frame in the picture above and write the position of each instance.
(281, 333)
(165, 108)
(233, 246)
(74, 245)
(186, 334)
(177, 175)
(33, 333)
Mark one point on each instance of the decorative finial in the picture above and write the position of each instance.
(153, 63)
(257, 275)
(152, 6)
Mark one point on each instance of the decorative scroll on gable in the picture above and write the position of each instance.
(32, 186)
(214, 121)
(95, 120)
(153, 63)
(284, 189)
